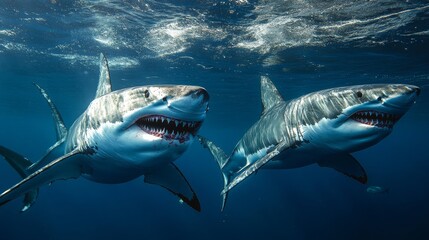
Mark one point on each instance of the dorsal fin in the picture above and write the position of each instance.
(269, 94)
(60, 127)
(104, 85)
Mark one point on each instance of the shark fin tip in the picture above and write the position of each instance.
(25, 208)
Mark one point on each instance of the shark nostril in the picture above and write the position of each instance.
(201, 92)
(417, 91)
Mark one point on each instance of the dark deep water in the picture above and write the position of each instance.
(224, 46)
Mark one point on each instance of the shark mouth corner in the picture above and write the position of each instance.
(377, 119)
(169, 128)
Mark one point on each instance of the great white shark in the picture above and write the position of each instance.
(323, 127)
(122, 135)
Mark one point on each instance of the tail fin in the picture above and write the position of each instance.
(21, 165)
(221, 159)
(25, 167)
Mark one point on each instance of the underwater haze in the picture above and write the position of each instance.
(225, 47)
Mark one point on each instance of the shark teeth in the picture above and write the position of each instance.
(168, 128)
(374, 118)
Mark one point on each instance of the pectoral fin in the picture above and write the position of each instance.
(64, 167)
(16, 160)
(170, 178)
(255, 166)
(21, 165)
(347, 165)
(30, 198)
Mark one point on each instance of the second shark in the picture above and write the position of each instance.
(323, 127)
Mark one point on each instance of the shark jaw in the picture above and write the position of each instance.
(367, 121)
(174, 118)
(376, 119)
(386, 111)
(167, 128)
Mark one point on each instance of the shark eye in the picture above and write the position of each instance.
(359, 94)
(146, 93)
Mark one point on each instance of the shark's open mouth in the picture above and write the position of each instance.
(168, 128)
(378, 119)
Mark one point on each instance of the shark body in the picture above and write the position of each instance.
(121, 136)
(323, 127)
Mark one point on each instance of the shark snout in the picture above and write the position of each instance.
(412, 90)
(200, 93)
(196, 97)
(192, 104)
(405, 98)
(417, 90)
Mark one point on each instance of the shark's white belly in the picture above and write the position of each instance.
(121, 158)
(302, 156)
(109, 171)
(113, 170)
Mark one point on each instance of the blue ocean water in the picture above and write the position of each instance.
(224, 46)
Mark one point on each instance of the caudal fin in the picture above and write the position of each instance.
(221, 158)
(21, 166)
(25, 167)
